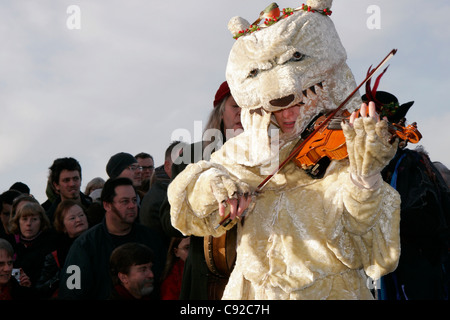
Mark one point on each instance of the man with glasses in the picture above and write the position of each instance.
(121, 164)
(85, 274)
(147, 163)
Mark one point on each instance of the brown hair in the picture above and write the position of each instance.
(61, 211)
(127, 255)
(32, 207)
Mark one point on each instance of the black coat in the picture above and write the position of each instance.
(30, 256)
(196, 275)
(149, 213)
(89, 257)
(424, 232)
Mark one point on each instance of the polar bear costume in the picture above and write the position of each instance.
(302, 238)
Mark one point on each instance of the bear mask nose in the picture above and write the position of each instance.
(282, 102)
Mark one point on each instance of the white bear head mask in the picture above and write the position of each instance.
(297, 60)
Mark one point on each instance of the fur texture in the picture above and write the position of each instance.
(303, 238)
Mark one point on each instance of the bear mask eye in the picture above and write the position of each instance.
(253, 73)
(297, 56)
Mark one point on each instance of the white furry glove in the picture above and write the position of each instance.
(224, 187)
(214, 189)
(368, 147)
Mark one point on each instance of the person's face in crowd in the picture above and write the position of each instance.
(232, 115)
(6, 266)
(139, 281)
(4, 215)
(182, 250)
(124, 206)
(147, 168)
(69, 184)
(286, 118)
(133, 172)
(29, 225)
(75, 221)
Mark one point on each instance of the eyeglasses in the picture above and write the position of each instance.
(134, 168)
(126, 202)
(149, 168)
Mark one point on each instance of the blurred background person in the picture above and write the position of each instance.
(70, 222)
(131, 272)
(173, 271)
(147, 164)
(33, 235)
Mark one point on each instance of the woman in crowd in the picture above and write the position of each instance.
(70, 222)
(173, 272)
(33, 235)
(15, 287)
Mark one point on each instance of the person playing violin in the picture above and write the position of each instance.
(298, 236)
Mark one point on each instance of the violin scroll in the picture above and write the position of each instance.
(409, 133)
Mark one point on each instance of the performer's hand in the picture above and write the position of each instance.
(363, 111)
(230, 192)
(368, 146)
(237, 205)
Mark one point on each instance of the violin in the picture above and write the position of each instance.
(329, 140)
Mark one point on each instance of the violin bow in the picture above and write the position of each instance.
(225, 221)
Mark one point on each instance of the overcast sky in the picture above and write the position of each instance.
(138, 70)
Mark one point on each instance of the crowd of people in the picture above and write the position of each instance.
(107, 242)
(115, 240)
(41, 242)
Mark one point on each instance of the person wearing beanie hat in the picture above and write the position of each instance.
(226, 114)
(123, 164)
(222, 92)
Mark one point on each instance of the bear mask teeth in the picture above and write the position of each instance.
(312, 90)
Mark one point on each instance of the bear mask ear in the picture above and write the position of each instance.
(237, 24)
(319, 4)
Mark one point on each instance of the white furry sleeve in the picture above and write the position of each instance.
(363, 226)
(193, 203)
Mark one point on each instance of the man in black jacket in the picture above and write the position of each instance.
(149, 212)
(85, 274)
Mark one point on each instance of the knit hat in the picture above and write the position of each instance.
(221, 93)
(118, 162)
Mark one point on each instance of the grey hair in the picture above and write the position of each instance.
(5, 245)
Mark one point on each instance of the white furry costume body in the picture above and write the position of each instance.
(303, 238)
